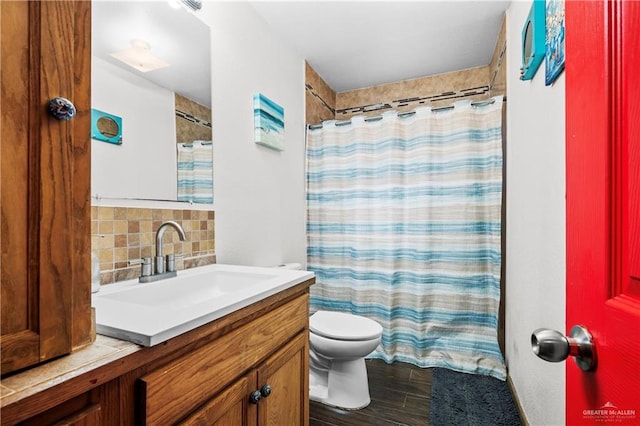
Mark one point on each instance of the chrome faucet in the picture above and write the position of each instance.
(164, 268)
(160, 265)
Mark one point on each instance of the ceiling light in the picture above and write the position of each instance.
(194, 5)
(139, 56)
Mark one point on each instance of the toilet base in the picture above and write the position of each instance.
(344, 385)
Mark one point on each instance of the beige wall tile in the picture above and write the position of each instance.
(193, 121)
(120, 213)
(498, 65)
(436, 90)
(121, 234)
(320, 99)
(134, 213)
(105, 213)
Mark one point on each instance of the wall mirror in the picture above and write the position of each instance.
(151, 63)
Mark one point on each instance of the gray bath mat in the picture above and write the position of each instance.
(459, 399)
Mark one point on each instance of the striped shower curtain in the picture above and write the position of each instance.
(404, 227)
(195, 172)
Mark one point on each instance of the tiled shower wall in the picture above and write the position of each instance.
(320, 99)
(122, 234)
(193, 121)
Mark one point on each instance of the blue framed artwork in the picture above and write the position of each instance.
(268, 122)
(554, 53)
(106, 127)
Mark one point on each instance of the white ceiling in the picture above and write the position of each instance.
(356, 44)
(351, 44)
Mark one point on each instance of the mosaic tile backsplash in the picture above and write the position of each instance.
(122, 234)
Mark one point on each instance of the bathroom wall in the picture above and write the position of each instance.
(145, 163)
(260, 193)
(193, 121)
(498, 64)
(122, 234)
(124, 230)
(260, 198)
(434, 90)
(320, 99)
(535, 252)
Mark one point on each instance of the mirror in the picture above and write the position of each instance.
(162, 95)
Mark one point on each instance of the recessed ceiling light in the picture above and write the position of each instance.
(139, 56)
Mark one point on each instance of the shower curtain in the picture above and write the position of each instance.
(404, 227)
(195, 172)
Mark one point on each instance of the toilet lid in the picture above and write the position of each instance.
(343, 326)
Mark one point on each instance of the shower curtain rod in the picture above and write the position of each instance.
(408, 113)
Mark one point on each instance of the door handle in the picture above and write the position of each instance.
(61, 108)
(553, 346)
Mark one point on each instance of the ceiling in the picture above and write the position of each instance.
(356, 44)
(351, 44)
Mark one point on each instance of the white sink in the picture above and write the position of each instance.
(150, 313)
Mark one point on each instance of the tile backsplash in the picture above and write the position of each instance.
(122, 234)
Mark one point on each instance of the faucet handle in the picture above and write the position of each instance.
(171, 261)
(146, 263)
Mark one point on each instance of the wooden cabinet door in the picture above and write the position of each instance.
(286, 402)
(45, 172)
(230, 407)
(287, 374)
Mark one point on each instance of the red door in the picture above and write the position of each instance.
(603, 206)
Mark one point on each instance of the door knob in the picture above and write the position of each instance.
(255, 397)
(62, 108)
(553, 346)
(265, 391)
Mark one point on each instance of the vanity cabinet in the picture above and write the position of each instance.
(45, 171)
(256, 374)
(90, 408)
(206, 376)
(274, 394)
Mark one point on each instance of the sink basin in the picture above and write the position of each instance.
(150, 313)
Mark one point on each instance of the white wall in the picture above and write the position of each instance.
(259, 193)
(535, 268)
(144, 166)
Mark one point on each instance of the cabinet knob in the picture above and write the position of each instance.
(265, 391)
(62, 108)
(255, 396)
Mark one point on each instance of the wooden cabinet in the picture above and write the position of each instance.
(287, 375)
(203, 377)
(215, 382)
(274, 394)
(231, 407)
(96, 407)
(45, 172)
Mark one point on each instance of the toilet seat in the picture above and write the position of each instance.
(343, 326)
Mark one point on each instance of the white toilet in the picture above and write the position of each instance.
(339, 342)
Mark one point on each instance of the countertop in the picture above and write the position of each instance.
(103, 351)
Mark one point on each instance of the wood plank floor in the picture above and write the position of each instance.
(400, 396)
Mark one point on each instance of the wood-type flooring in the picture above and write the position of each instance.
(400, 396)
